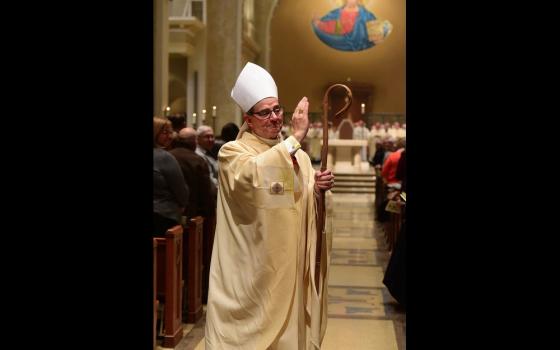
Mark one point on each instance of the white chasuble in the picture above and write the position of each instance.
(261, 291)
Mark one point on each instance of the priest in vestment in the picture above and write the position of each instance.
(262, 292)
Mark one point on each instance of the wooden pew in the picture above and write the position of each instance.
(155, 291)
(380, 192)
(169, 277)
(193, 270)
(207, 244)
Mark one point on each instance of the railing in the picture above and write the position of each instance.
(187, 9)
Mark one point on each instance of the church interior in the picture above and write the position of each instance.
(200, 47)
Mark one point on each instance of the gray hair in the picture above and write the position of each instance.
(203, 129)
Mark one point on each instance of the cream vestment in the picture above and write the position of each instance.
(262, 293)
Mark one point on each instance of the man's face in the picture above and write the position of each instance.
(206, 140)
(267, 127)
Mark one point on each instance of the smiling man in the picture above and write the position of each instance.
(262, 292)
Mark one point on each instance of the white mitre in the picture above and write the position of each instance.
(253, 84)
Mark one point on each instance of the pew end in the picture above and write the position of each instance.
(169, 273)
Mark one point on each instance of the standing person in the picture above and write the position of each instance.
(389, 169)
(202, 199)
(196, 174)
(178, 121)
(360, 132)
(229, 133)
(262, 290)
(373, 139)
(395, 273)
(399, 131)
(205, 142)
(401, 170)
(171, 194)
(315, 135)
(377, 160)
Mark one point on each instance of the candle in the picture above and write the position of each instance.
(167, 109)
(203, 115)
(194, 118)
(363, 108)
(213, 111)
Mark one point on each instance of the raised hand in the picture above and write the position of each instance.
(300, 120)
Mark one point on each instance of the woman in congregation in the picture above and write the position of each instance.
(171, 193)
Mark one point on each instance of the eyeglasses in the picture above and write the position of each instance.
(267, 113)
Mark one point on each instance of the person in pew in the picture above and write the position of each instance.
(395, 274)
(229, 133)
(389, 147)
(205, 142)
(377, 160)
(262, 293)
(202, 199)
(170, 192)
(388, 177)
(389, 169)
(178, 121)
(197, 177)
(400, 174)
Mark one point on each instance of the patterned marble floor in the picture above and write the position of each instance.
(362, 313)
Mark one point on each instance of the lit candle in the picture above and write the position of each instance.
(203, 115)
(194, 118)
(213, 111)
(363, 108)
(167, 109)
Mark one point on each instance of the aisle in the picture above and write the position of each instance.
(362, 314)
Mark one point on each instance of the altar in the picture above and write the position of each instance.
(344, 156)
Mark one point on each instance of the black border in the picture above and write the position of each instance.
(79, 248)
